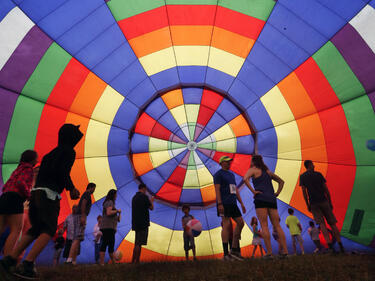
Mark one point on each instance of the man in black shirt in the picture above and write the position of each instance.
(141, 205)
(318, 201)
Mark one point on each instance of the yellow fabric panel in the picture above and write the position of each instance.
(192, 111)
(107, 106)
(173, 98)
(191, 55)
(158, 61)
(99, 172)
(159, 157)
(224, 133)
(229, 145)
(204, 176)
(202, 244)
(157, 144)
(289, 141)
(225, 62)
(191, 179)
(96, 139)
(179, 114)
(216, 243)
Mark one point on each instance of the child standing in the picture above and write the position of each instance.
(314, 234)
(59, 246)
(188, 237)
(257, 236)
(295, 230)
(97, 237)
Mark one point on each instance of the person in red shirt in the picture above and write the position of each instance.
(15, 192)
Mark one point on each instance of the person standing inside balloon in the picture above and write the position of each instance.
(319, 203)
(227, 195)
(265, 201)
(44, 208)
(188, 237)
(141, 205)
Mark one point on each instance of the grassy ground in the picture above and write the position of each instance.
(305, 268)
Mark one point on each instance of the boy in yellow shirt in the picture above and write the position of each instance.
(295, 229)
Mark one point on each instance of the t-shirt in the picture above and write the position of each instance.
(140, 211)
(292, 222)
(314, 182)
(69, 226)
(85, 196)
(186, 219)
(109, 222)
(97, 233)
(228, 187)
(314, 233)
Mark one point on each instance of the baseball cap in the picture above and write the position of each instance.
(225, 158)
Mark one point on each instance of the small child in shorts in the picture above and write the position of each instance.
(59, 246)
(188, 237)
(295, 230)
(257, 236)
(314, 234)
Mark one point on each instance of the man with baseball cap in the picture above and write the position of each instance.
(227, 195)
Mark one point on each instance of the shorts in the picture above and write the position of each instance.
(68, 245)
(11, 203)
(230, 211)
(256, 241)
(262, 204)
(141, 237)
(79, 229)
(188, 242)
(108, 240)
(323, 210)
(297, 238)
(43, 214)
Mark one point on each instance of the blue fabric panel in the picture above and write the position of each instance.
(142, 94)
(268, 63)
(254, 79)
(67, 16)
(191, 196)
(192, 75)
(227, 110)
(245, 145)
(166, 79)
(267, 143)
(166, 169)
(5, 7)
(259, 116)
(192, 95)
(247, 199)
(212, 166)
(282, 47)
(121, 169)
(118, 141)
(87, 30)
(215, 123)
(170, 123)
(372, 3)
(163, 215)
(126, 115)
(212, 219)
(126, 192)
(113, 58)
(242, 95)
(129, 78)
(319, 17)
(153, 180)
(107, 42)
(139, 143)
(157, 108)
(347, 9)
(296, 29)
(38, 9)
(218, 80)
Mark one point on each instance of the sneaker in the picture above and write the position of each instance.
(228, 257)
(237, 255)
(26, 270)
(7, 266)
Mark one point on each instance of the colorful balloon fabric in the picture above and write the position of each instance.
(163, 88)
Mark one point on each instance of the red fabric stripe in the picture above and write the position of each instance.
(160, 132)
(178, 176)
(191, 14)
(169, 192)
(145, 125)
(204, 115)
(211, 99)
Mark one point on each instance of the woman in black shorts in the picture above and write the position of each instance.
(265, 200)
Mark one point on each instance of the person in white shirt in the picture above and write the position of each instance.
(97, 238)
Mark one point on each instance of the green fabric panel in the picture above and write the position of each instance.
(191, 164)
(23, 128)
(211, 145)
(47, 73)
(338, 73)
(122, 9)
(191, 2)
(7, 170)
(175, 145)
(191, 130)
(362, 198)
(259, 9)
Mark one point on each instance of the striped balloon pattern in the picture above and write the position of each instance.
(162, 89)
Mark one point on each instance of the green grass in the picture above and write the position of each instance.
(310, 267)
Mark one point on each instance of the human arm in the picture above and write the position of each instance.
(277, 179)
(306, 197)
(83, 211)
(299, 226)
(64, 174)
(240, 200)
(151, 207)
(328, 195)
(246, 180)
(119, 215)
(220, 206)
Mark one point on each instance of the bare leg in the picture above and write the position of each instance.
(15, 223)
(40, 243)
(101, 258)
(294, 245)
(225, 230)
(323, 227)
(74, 250)
(336, 232)
(275, 220)
(254, 250)
(237, 232)
(112, 258)
(136, 253)
(301, 246)
(22, 245)
(193, 249)
(261, 250)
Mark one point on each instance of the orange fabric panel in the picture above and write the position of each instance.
(191, 35)
(208, 194)
(151, 42)
(239, 126)
(142, 163)
(173, 98)
(230, 42)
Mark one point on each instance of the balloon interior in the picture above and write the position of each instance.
(163, 89)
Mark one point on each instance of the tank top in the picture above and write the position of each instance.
(264, 184)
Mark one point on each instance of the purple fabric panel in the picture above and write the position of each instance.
(371, 96)
(24, 60)
(358, 55)
(7, 102)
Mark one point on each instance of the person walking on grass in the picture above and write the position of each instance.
(265, 201)
(141, 205)
(84, 207)
(44, 208)
(68, 226)
(188, 237)
(108, 226)
(257, 236)
(319, 203)
(314, 234)
(227, 195)
(295, 229)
